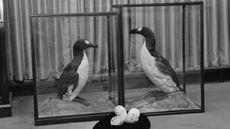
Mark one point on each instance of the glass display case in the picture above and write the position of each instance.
(75, 67)
(163, 57)
(5, 107)
(145, 56)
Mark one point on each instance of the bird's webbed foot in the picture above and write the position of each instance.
(81, 100)
(73, 98)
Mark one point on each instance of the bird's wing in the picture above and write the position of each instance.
(71, 68)
(62, 89)
(68, 77)
(75, 83)
(166, 68)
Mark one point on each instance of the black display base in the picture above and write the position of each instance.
(5, 110)
(104, 123)
(67, 119)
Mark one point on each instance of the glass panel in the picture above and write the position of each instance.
(5, 107)
(74, 77)
(2, 39)
(152, 71)
(193, 55)
(1, 11)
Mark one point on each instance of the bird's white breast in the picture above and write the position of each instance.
(148, 62)
(83, 71)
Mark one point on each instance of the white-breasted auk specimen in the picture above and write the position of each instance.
(75, 74)
(155, 66)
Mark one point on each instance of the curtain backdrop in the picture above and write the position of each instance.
(165, 21)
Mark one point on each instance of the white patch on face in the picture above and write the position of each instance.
(139, 29)
(86, 41)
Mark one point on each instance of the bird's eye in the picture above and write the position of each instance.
(86, 41)
(139, 29)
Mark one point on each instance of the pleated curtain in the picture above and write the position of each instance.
(166, 22)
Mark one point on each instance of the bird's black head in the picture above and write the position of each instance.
(82, 44)
(145, 31)
(148, 34)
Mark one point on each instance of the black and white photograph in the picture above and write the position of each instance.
(114, 64)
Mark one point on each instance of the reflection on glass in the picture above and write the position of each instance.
(75, 65)
(157, 76)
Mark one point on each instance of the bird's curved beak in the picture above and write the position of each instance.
(134, 31)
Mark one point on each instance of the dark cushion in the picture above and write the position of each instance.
(104, 123)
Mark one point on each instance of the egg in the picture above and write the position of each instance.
(132, 116)
(116, 120)
(120, 111)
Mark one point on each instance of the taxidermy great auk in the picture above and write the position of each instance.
(75, 74)
(155, 66)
